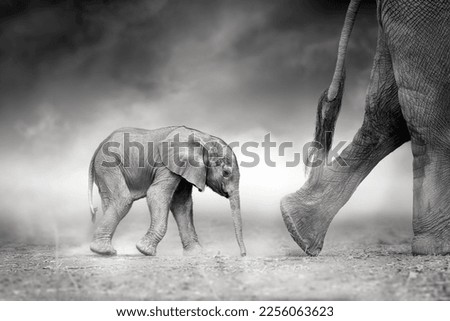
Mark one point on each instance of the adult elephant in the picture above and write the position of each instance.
(161, 165)
(408, 99)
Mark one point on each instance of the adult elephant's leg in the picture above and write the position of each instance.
(181, 208)
(116, 203)
(159, 197)
(431, 205)
(428, 119)
(308, 212)
(420, 49)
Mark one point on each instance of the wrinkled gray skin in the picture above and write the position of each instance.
(408, 99)
(167, 187)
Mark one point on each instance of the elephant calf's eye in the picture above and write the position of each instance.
(226, 173)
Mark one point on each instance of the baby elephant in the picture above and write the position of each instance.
(161, 165)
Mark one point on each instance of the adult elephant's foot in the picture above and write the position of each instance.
(146, 247)
(430, 245)
(193, 250)
(306, 221)
(103, 247)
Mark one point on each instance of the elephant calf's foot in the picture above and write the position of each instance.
(193, 250)
(103, 247)
(305, 221)
(146, 247)
(430, 245)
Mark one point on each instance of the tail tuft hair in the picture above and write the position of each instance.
(327, 114)
(330, 104)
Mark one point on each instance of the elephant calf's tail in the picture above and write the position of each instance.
(90, 186)
(330, 103)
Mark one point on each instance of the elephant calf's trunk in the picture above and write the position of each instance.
(237, 220)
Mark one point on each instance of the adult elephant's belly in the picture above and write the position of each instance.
(417, 34)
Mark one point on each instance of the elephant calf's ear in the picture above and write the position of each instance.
(186, 161)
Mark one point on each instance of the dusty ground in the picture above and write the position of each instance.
(367, 259)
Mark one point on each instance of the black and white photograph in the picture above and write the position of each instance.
(225, 150)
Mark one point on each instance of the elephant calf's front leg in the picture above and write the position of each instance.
(181, 208)
(158, 198)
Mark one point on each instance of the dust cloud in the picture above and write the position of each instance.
(71, 72)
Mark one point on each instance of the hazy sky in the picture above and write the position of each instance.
(73, 71)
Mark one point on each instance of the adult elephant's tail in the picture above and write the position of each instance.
(90, 186)
(330, 103)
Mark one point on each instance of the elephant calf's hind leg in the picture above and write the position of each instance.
(101, 243)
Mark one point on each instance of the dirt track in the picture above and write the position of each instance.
(368, 259)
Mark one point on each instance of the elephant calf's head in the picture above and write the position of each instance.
(222, 171)
(222, 176)
(205, 160)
